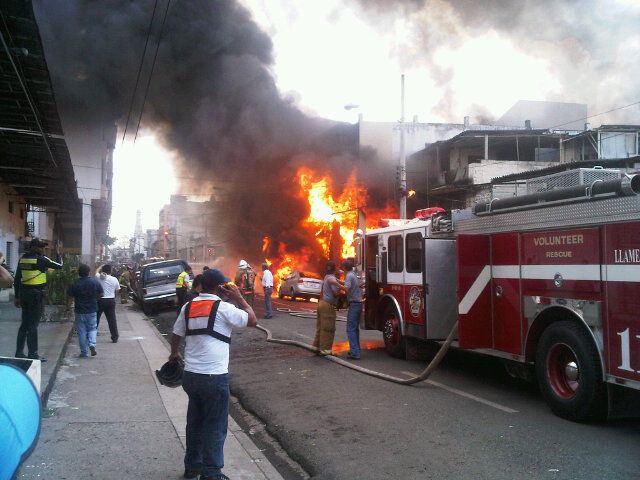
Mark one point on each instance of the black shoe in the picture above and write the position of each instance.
(114, 340)
(268, 316)
(20, 355)
(190, 473)
(93, 351)
(37, 357)
(220, 476)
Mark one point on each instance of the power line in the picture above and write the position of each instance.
(153, 65)
(597, 114)
(144, 52)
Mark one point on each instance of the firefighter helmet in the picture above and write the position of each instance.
(170, 374)
(243, 264)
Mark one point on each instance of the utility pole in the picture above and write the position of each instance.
(403, 155)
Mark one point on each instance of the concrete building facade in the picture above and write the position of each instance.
(186, 231)
(93, 166)
(12, 226)
(602, 143)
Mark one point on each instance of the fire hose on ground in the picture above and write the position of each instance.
(429, 369)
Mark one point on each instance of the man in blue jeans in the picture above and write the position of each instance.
(206, 323)
(85, 291)
(354, 297)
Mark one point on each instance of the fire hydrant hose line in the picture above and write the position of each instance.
(429, 369)
(298, 313)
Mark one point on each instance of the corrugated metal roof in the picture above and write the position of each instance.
(38, 167)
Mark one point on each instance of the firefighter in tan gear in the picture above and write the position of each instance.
(125, 285)
(245, 279)
(183, 285)
(30, 284)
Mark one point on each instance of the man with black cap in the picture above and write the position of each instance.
(206, 323)
(30, 284)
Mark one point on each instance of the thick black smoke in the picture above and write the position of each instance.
(212, 100)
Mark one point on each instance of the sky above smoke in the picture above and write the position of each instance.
(241, 89)
(461, 57)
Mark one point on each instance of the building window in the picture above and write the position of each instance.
(414, 252)
(396, 253)
(10, 207)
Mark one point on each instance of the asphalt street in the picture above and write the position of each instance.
(469, 421)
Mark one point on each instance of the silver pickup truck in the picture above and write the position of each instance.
(156, 286)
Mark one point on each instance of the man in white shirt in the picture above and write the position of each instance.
(206, 323)
(107, 304)
(267, 285)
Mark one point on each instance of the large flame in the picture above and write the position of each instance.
(329, 215)
(332, 220)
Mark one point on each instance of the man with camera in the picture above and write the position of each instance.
(206, 323)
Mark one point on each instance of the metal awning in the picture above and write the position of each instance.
(34, 159)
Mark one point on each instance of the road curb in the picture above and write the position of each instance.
(46, 391)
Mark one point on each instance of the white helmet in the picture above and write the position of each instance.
(243, 264)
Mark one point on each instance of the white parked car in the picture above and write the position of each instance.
(301, 285)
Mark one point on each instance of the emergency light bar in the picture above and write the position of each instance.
(428, 212)
(419, 215)
(392, 222)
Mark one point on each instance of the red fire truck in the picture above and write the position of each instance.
(548, 281)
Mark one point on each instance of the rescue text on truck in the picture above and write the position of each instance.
(548, 281)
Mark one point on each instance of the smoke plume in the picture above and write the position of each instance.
(212, 100)
(590, 46)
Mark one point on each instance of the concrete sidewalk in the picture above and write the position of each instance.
(110, 419)
(52, 342)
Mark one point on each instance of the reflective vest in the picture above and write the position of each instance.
(31, 274)
(180, 280)
(203, 308)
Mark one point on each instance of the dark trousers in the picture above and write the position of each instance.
(207, 419)
(32, 302)
(181, 298)
(108, 306)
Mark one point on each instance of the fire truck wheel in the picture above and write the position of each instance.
(391, 332)
(569, 372)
